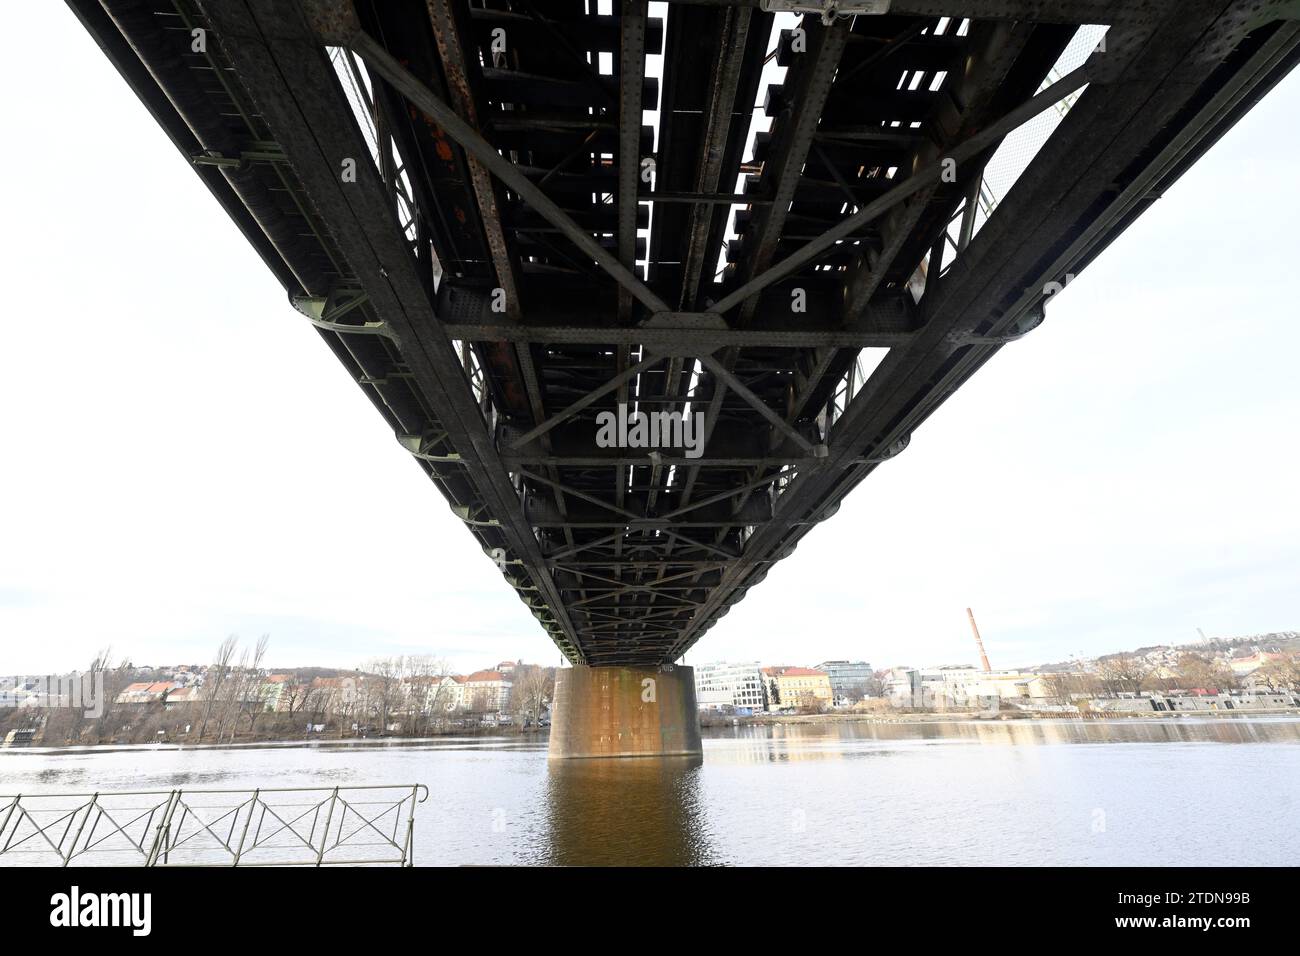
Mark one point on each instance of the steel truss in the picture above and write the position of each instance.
(501, 274)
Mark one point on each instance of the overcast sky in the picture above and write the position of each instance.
(183, 458)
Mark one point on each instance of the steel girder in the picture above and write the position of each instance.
(482, 279)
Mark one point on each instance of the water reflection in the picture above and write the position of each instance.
(646, 811)
(836, 741)
(1174, 791)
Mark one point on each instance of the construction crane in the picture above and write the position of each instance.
(979, 642)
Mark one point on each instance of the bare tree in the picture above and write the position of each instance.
(384, 688)
(254, 700)
(853, 691)
(1280, 674)
(1121, 673)
(532, 689)
(316, 701)
(1160, 680)
(115, 679)
(99, 684)
(240, 692)
(344, 706)
(877, 685)
(232, 688)
(215, 679)
(1066, 685)
(808, 702)
(1197, 671)
(295, 695)
(431, 691)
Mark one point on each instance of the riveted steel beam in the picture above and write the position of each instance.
(377, 58)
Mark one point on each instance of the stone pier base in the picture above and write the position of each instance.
(624, 712)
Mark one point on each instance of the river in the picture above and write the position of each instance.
(1126, 792)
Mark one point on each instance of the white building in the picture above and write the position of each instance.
(487, 692)
(719, 685)
(435, 695)
(451, 692)
(960, 686)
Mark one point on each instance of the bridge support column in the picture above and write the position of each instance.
(624, 712)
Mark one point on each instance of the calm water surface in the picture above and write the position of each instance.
(1052, 792)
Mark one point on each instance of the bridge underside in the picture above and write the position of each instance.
(509, 218)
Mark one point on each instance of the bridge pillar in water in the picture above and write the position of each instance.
(624, 712)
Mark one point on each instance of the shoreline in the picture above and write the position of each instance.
(921, 717)
(719, 724)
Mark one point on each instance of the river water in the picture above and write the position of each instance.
(1149, 792)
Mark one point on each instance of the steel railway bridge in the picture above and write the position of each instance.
(781, 219)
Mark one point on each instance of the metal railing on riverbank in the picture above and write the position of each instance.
(281, 826)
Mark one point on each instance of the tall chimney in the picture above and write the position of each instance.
(984, 658)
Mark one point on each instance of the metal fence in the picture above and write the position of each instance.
(282, 826)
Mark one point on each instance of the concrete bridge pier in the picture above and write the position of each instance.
(624, 712)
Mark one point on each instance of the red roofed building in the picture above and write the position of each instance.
(145, 692)
(335, 694)
(184, 695)
(487, 692)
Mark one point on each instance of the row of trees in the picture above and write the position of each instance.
(417, 689)
(231, 702)
(232, 690)
(411, 685)
(1129, 674)
(413, 693)
(1280, 674)
(97, 720)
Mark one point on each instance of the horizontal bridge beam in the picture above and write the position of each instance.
(665, 336)
(630, 565)
(1040, 11)
(514, 462)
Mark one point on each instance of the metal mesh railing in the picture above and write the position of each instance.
(293, 826)
(1018, 150)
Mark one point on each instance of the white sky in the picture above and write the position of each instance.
(183, 458)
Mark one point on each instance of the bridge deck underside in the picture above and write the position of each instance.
(492, 335)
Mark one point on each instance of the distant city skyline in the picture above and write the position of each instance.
(695, 659)
(1121, 477)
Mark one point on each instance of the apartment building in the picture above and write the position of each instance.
(789, 688)
(487, 692)
(850, 680)
(721, 685)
